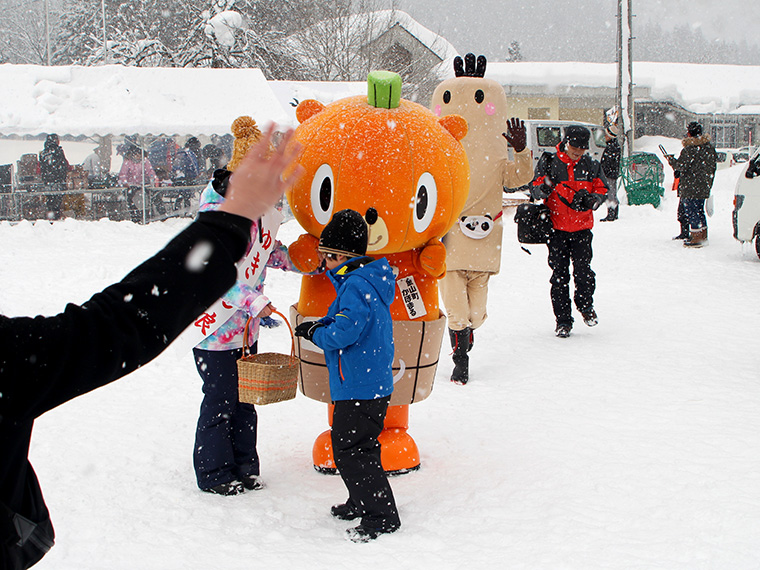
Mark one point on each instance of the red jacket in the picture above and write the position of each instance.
(565, 179)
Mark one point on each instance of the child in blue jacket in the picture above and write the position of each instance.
(357, 338)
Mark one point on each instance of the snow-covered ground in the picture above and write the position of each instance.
(632, 445)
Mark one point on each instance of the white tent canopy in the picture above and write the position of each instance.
(117, 100)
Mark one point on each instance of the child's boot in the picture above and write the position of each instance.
(460, 343)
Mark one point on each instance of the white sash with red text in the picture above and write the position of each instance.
(249, 269)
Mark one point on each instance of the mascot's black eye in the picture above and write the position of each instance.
(447, 97)
(322, 194)
(425, 202)
(325, 194)
(479, 96)
(422, 202)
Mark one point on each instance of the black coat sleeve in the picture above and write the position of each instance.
(46, 361)
(610, 160)
(542, 184)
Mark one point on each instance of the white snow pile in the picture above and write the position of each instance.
(223, 25)
(113, 99)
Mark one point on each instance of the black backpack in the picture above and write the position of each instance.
(533, 223)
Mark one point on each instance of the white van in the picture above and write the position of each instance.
(545, 135)
(746, 215)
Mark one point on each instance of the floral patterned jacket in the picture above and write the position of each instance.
(249, 301)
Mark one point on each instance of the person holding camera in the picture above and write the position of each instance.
(571, 184)
(696, 170)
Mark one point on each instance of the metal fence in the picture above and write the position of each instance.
(139, 204)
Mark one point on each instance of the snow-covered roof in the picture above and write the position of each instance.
(290, 93)
(746, 110)
(435, 43)
(125, 100)
(700, 88)
(380, 21)
(113, 99)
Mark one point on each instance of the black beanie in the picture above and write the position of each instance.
(694, 129)
(577, 136)
(345, 234)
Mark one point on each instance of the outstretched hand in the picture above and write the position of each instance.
(516, 134)
(262, 176)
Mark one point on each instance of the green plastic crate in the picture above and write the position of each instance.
(642, 175)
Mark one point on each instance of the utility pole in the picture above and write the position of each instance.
(625, 75)
(47, 33)
(105, 41)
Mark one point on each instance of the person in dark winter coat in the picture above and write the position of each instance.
(570, 183)
(610, 165)
(186, 166)
(357, 338)
(695, 168)
(47, 361)
(54, 168)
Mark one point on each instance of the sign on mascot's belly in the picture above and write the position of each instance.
(406, 172)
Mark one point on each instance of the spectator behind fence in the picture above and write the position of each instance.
(135, 173)
(185, 169)
(53, 168)
(161, 154)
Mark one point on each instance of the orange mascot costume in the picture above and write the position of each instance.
(406, 172)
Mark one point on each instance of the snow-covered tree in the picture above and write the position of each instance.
(333, 36)
(227, 38)
(689, 45)
(172, 33)
(22, 31)
(513, 52)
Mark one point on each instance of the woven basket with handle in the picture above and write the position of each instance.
(268, 377)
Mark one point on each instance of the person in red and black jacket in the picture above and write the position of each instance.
(571, 185)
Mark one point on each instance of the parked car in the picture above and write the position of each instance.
(746, 216)
(725, 157)
(742, 154)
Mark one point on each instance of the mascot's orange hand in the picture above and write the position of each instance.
(303, 253)
(432, 259)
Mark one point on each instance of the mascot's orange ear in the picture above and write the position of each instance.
(307, 109)
(455, 124)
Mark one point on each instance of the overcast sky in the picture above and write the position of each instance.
(546, 26)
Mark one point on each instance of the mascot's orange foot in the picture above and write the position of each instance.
(399, 453)
(322, 454)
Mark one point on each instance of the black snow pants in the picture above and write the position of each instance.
(564, 247)
(356, 426)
